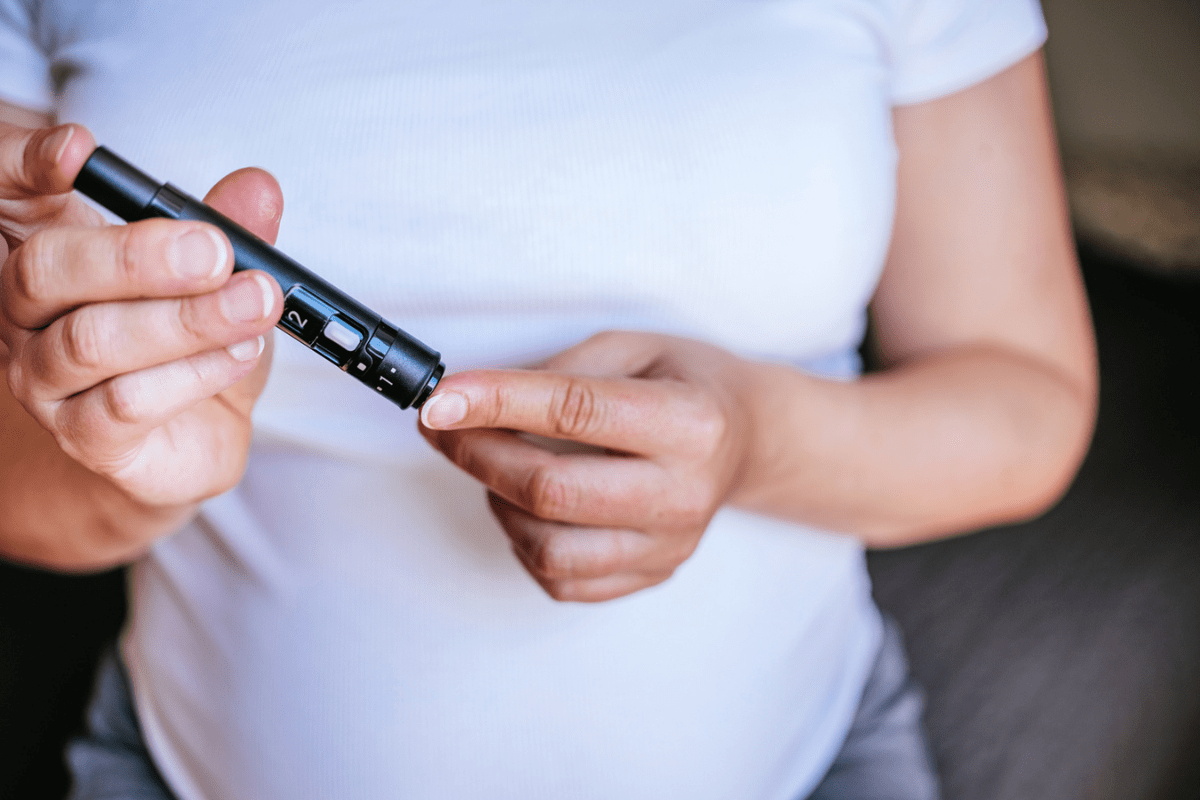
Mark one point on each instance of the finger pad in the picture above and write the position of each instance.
(252, 198)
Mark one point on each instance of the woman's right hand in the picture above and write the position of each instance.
(133, 345)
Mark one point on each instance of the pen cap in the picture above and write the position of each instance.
(408, 371)
(116, 184)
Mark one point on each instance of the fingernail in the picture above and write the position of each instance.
(198, 254)
(247, 300)
(247, 350)
(443, 410)
(56, 143)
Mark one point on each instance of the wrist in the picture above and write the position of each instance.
(57, 514)
(797, 421)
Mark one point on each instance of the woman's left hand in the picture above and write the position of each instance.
(981, 414)
(668, 428)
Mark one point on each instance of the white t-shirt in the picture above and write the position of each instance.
(503, 178)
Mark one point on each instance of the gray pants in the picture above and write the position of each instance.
(885, 756)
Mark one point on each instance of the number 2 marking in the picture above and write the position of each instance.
(294, 317)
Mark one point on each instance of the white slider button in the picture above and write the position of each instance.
(343, 336)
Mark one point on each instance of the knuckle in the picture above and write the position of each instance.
(81, 433)
(608, 337)
(31, 268)
(497, 406)
(18, 379)
(575, 410)
(462, 449)
(82, 342)
(553, 558)
(24, 387)
(604, 340)
(623, 553)
(548, 495)
(121, 402)
(201, 377)
(708, 426)
(191, 324)
(130, 245)
(607, 552)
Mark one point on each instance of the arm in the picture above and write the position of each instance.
(982, 415)
(986, 404)
(132, 360)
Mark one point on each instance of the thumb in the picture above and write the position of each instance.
(252, 198)
(41, 161)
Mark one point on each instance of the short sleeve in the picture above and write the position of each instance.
(24, 66)
(942, 46)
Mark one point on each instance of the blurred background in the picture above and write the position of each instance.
(1125, 76)
(1062, 656)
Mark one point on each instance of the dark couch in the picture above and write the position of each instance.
(1062, 656)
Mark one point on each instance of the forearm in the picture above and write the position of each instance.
(55, 513)
(941, 444)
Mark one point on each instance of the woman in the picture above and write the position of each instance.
(672, 216)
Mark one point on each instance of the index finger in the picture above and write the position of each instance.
(61, 268)
(632, 415)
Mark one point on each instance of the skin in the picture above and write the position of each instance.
(133, 358)
(981, 415)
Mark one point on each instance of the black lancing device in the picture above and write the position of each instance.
(325, 319)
